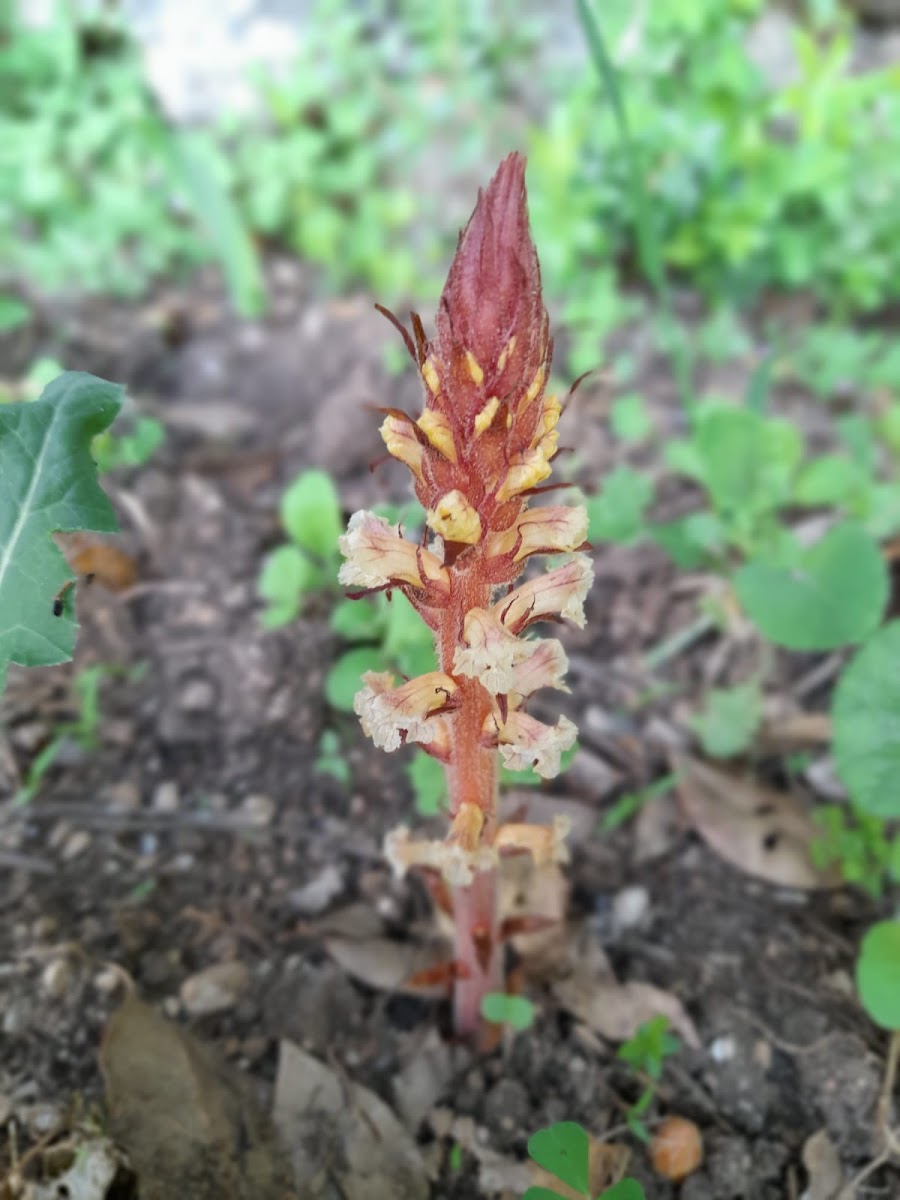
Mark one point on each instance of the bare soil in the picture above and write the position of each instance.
(191, 835)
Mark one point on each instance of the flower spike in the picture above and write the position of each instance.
(478, 453)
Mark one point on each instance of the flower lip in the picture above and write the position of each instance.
(559, 593)
(377, 556)
(393, 716)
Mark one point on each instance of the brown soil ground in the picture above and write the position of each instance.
(189, 835)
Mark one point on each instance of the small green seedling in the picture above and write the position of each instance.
(860, 846)
(311, 517)
(816, 597)
(646, 1053)
(81, 732)
(631, 802)
(729, 719)
(563, 1150)
(330, 760)
(501, 1009)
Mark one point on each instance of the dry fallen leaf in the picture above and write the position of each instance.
(345, 1141)
(823, 1164)
(188, 1121)
(764, 832)
(388, 965)
(592, 993)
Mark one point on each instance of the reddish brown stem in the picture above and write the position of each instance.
(472, 779)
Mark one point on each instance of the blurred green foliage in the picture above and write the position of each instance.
(750, 185)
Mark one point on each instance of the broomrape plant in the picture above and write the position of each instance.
(478, 452)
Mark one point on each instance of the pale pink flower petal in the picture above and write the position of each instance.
(378, 555)
(393, 716)
(490, 652)
(526, 742)
(560, 592)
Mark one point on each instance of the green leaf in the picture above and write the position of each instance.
(501, 1009)
(13, 313)
(429, 783)
(195, 159)
(866, 715)
(625, 1189)
(690, 541)
(356, 620)
(878, 974)
(48, 484)
(286, 577)
(833, 595)
(748, 461)
(630, 420)
(617, 514)
(311, 514)
(830, 479)
(344, 679)
(563, 1149)
(542, 1193)
(729, 720)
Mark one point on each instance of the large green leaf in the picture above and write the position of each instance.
(866, 713)
(833, 595)
(48, 484)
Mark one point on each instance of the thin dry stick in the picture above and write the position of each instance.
(890, 1136)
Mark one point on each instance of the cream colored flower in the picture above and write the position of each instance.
(545, 667)
(378, 556)
(526, 742)
(457, 865)
(554, 529)
(560, 592)
(545, 844)
(393, 716)
(490, 652)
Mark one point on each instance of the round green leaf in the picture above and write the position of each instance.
(625, 1189)
(833, 595)
(878, 974)
(563, 1151)
(866, 715)
(501, 1009)
(287, 574)
(344, 679)
(311, 513)
(356, 620)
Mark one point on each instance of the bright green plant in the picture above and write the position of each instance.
(310, 513)
(859, 844)
(815, 597)
(563, 1150)
(48, 484)
(99, 187)
(81, 732)
(878, 974)
(646, 1053)
(502, 1009)
(729, 719)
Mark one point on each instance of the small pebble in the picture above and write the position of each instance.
(676, 1149)
(56, 978)
(258, 809)
(630, 907)
(166, 797)
(314, 897)
(198, 696)
(722, 1049)
(76, 844)
(214, 990)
